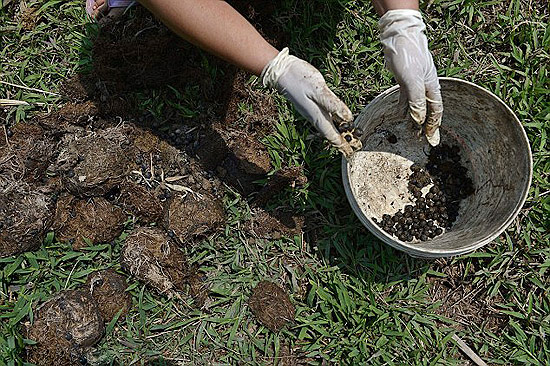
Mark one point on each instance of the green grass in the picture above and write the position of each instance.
(358, 301)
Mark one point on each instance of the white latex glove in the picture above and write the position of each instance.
(306, 88)
(408, 57)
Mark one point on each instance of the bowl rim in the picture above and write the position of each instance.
(437, 253)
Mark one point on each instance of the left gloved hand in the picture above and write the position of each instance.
(408, 57)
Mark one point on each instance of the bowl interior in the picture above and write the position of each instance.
(494, 149)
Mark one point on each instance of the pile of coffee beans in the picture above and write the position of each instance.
(434, 209)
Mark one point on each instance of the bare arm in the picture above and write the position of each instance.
(216, 27)
(382, 6)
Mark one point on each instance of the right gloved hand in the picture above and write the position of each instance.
(408, 57)
(306, 88)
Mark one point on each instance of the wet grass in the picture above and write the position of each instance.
(357, 300)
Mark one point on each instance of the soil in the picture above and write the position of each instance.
(93, 164)
(222, 135)
(108, 289)
(64, 327)
(26, 154)
(463, 301)
(95, 219)
(191, 215)
(25, 215)
(153, 257)
(271, 305)
(275, 224)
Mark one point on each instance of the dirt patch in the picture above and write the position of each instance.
(271, 305)
(92, 164)
(108, 289)
(191, 215)
(152, 60)
(64, 327)
(76, 113)
(151, 256)
(292, 177)
(26, 154)
(96, 219)
(25, 216)
(275, 224)
(463, 301)
(252, 111)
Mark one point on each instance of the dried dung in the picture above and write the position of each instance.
(95, 219)
(63, 328)
(26, 155)
(252, 155)
(239, 159)
(25, 216)
(141, 202)
(198, 288)
(274, 224)
(93, 164)
(151, 256)
(108, 289)
(192, 215)
(271, 305)
(161, 168)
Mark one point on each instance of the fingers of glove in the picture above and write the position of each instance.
(403, 104)
(416, 96)
(329, 102)
(435, 109)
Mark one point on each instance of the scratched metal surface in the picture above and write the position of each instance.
(494, 148)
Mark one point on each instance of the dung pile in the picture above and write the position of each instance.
(140, 201)
(67, 325)
(167, 186)
(108, 289)
(26, 154)
(438, 190)
(152, 256)
(95, 219)
(64, 328)
(25, 216)
(94, 163)
(190, 215)
(271, 305)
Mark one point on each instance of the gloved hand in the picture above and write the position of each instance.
(408, 57)
(306, 88)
